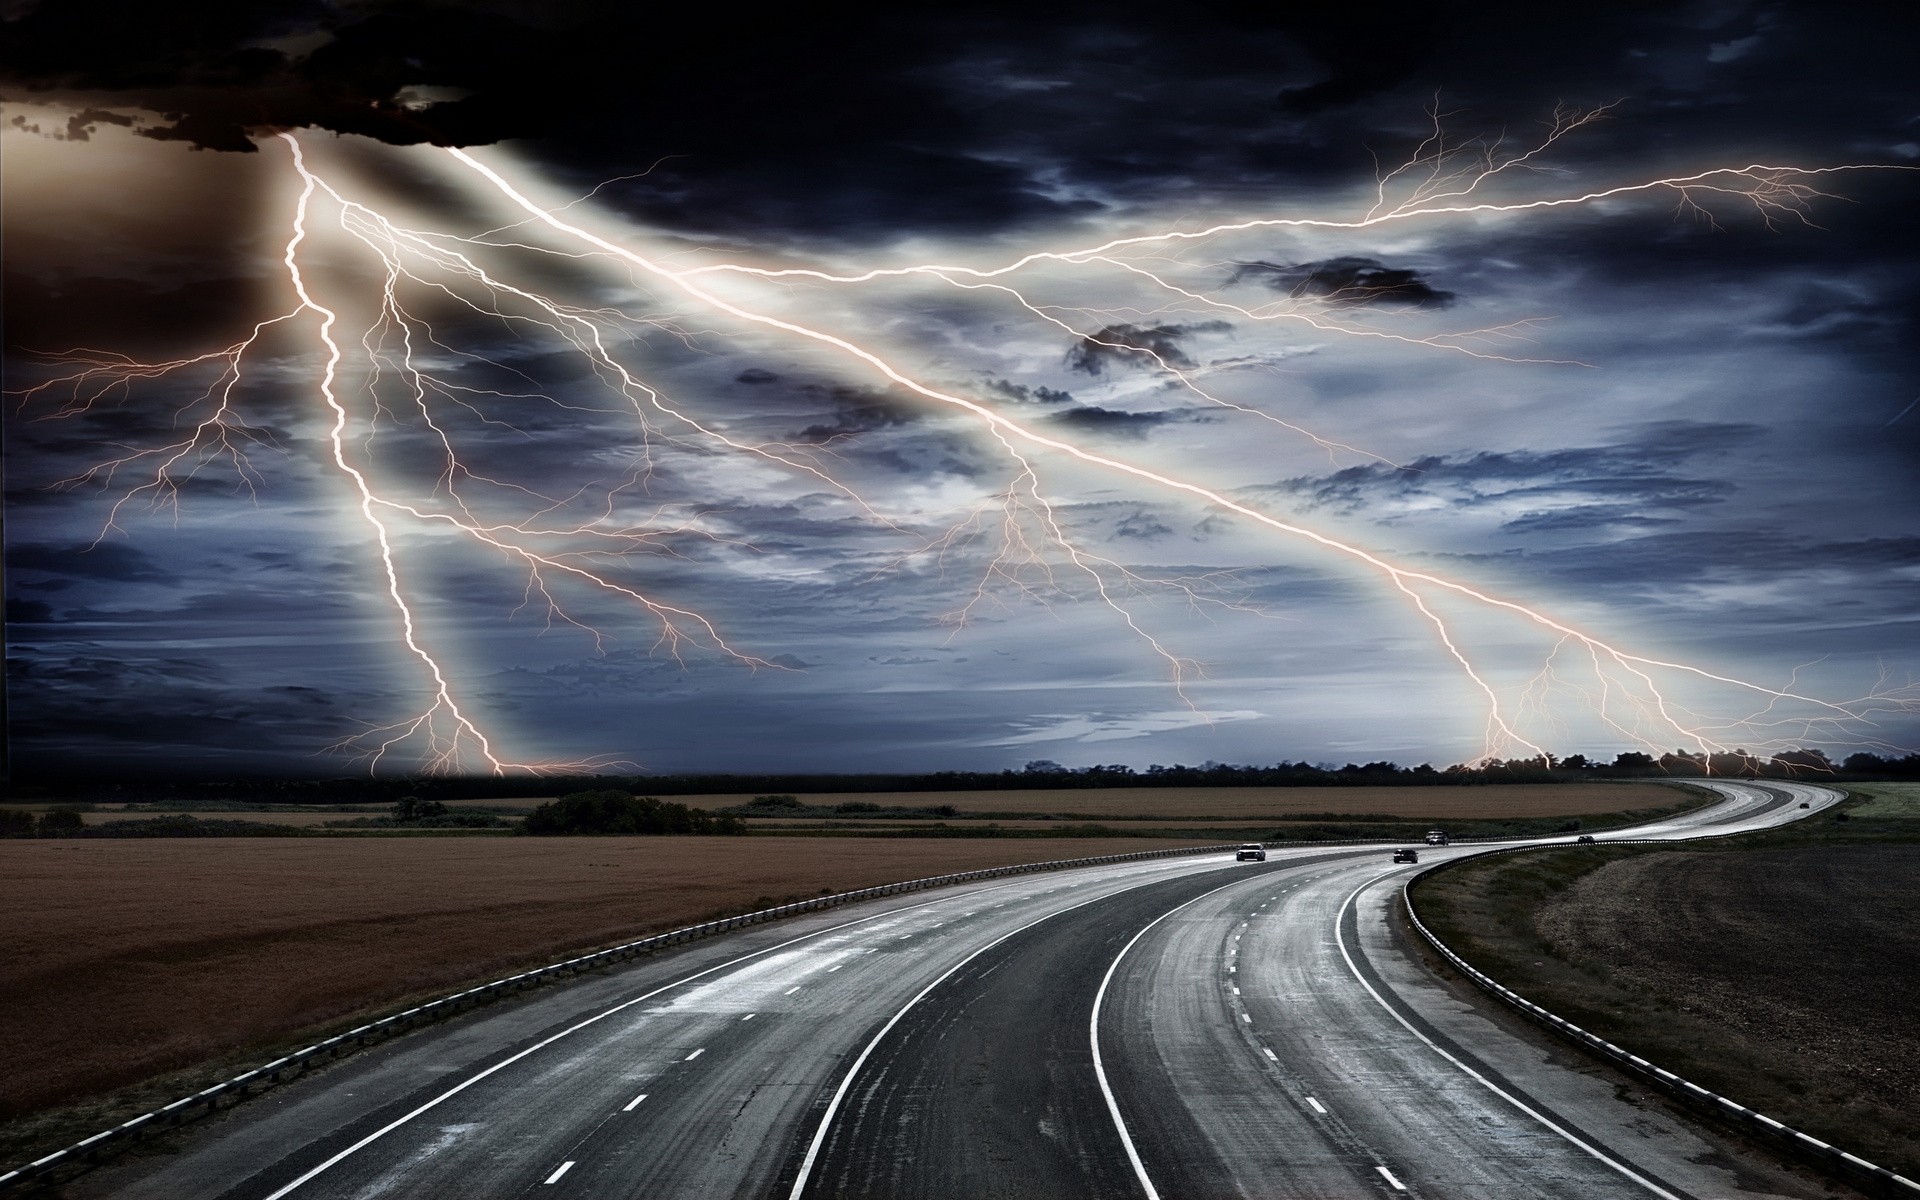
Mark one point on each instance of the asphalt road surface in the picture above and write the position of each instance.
(1180, 1028)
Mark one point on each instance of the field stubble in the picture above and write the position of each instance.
(1778, 970)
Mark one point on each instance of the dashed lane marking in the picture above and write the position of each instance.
(1316, 1106)
(1270, 1054)
(1397, 1185)
(749, 1016)
(634, 1103)
(564, 1168)
(695, 1054)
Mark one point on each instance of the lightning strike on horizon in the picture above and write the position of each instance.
(1439, 180)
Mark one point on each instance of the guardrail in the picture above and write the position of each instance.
(1738, 1114)
(90, 1150)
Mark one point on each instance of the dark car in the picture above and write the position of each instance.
(1251, 852)
(1405, 856)
(1436, 837)
(1585, 839)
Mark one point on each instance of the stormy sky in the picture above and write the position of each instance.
(635, 527)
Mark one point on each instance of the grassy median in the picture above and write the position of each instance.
(1778, 969)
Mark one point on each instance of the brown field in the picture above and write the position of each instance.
(1782, 977)
(1263, 804)
(121, 959)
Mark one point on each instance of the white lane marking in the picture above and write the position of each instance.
(564, 1168)
(634, 1103)
(1397, 1185)
(695, 1054)
(1270, 1054)
(835, 967)
(1236, 991)
(1093, 1036)
(749, 1016)
(846, 1081)
(1340, 939)
(504, 1063)
(796, 987)
(1316, 1106)
(1248, 1018)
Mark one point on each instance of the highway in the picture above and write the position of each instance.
(1186, 1027)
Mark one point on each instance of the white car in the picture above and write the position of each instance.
(1251, 852)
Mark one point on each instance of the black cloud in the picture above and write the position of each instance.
(1352, 280)
(1106, 420)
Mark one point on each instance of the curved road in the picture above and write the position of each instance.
(1183, 1028)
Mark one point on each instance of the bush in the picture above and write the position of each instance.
(776, 802)
(614, 812)
(14, 823)
(410, 809)
(857, 806)
(60, 822)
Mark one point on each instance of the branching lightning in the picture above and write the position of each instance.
(397, 382)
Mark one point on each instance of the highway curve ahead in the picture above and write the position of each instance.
(1186, 1028)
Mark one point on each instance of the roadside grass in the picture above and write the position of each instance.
(1775, 968)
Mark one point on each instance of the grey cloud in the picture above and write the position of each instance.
(1104, 420)
(1350, 281)
(1095, 352)
(1023, 394)
(1621, 481)
(1142, 525)
(111, 561)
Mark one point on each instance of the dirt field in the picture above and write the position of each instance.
(1781, 977)
(120, 959)
(1264, 804)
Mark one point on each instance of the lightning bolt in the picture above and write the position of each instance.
(1439, 181)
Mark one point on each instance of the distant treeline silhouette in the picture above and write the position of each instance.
(211, 793)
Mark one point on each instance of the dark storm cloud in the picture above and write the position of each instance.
(1095, 352)
(1346, 281)
(1021, 393)
(138, 315)
(1143, 526)
(1801, 568)
(1106, 420)
(859, 411)
(859, 124)
(110, 561)
(1621, 481)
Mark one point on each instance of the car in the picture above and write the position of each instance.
(1251, 852)
(1436, 837)
(1406, 856)
(1804, 804)
(1585, 839)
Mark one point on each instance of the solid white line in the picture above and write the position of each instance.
(695, 1054)
(846, 1081)
(564, 1168)
(1093, 1035)
(464, 1084)
(1316, 1106)
(634, 1103)
(1341, 941)
(1397, 1185)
